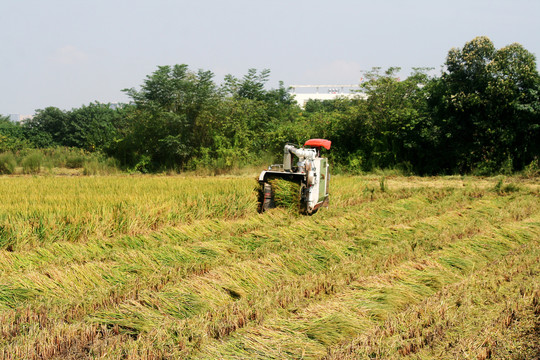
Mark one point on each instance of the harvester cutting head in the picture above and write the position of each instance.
(311, 173)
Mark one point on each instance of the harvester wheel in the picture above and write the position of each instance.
(266, 198)
(304, 200)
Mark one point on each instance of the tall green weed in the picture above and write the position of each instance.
(32, 162)
(7, 163)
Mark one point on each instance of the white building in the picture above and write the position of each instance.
(303, 93)
(19, 117)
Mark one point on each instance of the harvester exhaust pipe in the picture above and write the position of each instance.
(287, 158)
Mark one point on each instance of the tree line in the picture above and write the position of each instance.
(481, 115)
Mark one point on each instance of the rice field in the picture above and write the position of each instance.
(170, 267)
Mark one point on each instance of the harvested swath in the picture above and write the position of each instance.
(368, 300)
(502, 298)
(286, 193)
(134, 312)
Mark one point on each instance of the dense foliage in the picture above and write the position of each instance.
(481, 115)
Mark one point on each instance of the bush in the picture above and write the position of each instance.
(31, 163)
(75, 161)
(60, 157)
(501, 189)
(7, 163)
(100, 167)
(91, 167)
(532, 170)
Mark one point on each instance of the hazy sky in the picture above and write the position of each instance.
(67, 53)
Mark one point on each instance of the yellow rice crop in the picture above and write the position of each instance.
(173, 267)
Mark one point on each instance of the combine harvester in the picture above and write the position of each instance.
(311, 173)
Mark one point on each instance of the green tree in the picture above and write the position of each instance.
(514, 107)
(92, 127)
(486, 108)
(251, 86)
(11, 136)
(386, 128)
(47, 128)
(236, 134)
(170, 121)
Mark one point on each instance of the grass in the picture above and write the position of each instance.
(184, 267)
(7, 163)
(57, 161)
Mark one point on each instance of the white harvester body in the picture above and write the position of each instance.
(311, 173)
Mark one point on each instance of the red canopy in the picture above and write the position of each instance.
(318, 143)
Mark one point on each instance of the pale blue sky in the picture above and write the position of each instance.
(67, 53)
